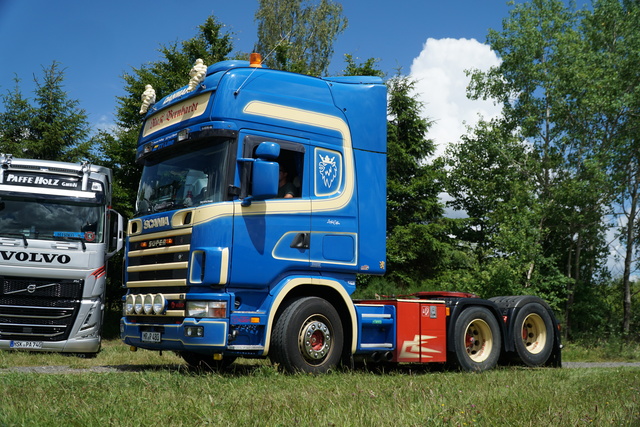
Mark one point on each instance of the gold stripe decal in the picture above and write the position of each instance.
(156, 251)
(325, 121)
(224, 266)
(156, 283)
(318, 282)
(159, 267)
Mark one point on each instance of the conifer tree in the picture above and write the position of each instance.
(55, 128)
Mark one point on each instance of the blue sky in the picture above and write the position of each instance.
(96, 42)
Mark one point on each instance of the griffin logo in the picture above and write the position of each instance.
(328, 170)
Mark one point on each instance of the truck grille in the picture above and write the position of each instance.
(159, 259)
(38, 309)
(54, 288)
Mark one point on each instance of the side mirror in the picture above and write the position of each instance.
(268, 151)
(116, 232)
(264, 180)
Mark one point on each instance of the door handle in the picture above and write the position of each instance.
(300, 241)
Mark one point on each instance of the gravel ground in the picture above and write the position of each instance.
(599, 364)
(58, 369)
(63, 369)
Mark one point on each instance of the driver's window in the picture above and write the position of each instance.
(290, 174)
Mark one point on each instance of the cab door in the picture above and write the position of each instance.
(271, 237)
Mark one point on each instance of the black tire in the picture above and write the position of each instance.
(307, 337)
(206, 362)
(532, 334)
(477, 340)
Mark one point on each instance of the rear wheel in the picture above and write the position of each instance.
(533, 334)
(307, 337)
(477, 340)
(206, 361)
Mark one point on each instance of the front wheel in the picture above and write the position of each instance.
(307, 337)
(477, 340)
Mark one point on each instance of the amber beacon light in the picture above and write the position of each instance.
(255, 60)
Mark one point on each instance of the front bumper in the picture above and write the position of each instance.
(82, 345)
(174, 336)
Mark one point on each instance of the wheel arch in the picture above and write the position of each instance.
(330, 290)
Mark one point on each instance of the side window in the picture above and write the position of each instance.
(290, 177)
(291, 164)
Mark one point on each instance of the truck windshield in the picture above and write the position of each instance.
(188, 176)
(31, 218)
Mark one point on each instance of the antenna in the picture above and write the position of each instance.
(282, 39)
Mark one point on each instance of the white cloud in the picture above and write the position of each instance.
(442, 86)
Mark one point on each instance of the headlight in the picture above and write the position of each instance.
(148, 304)
(137, 304)
(217, 309)
(128, 304)
(196, 308)
(159, 303)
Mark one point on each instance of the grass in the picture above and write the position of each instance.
(144, 388)
(612, 350)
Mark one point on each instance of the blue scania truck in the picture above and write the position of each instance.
(262, 196)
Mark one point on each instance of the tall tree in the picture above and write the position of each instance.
(413, 191)
(15, 121)
(298, 35)
(492, 178)
(540, 50)
(609, 99)
(54, 129)
(367, 68)
(419, 247)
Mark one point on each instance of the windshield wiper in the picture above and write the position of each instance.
(167, 205)
(80, 239)
(145, 206)
(24, 238)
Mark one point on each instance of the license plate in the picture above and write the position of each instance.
(26, 344)
(150, 336)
